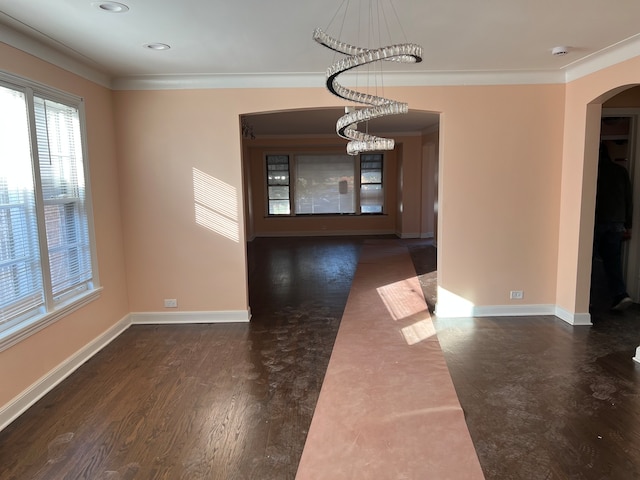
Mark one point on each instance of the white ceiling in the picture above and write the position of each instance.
(269, 42)
(275, 36)
(323, 121)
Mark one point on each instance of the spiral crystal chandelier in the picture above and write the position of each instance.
(377, 106)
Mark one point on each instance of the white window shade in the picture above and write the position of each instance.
(324, 184)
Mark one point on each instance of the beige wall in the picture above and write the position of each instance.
(583, 107)
(411, 206)
(163, 137)
(500, 161)
(169, 142)
(499, 186)
(30, 360)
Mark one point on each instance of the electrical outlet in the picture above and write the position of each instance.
(170, 303)
(516, 295)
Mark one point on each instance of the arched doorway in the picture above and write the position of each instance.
(619, 136)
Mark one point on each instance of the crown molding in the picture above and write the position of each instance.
(317, 80)
(38, 49)
(620, 52)
(32, 45)
(207, 81)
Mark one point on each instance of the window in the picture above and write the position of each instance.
(278, 184)
(325, 184)
(46, 247)
(371, 193)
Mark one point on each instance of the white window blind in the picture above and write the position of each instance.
(63, 193)
(46, 247)
(21, 290)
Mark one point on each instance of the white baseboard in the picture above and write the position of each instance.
(41, 387)
(443, 311)
(141, 318)
(573, 318)
(455, 311)
(455, 308)
(513, 310)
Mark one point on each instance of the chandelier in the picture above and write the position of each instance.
(377, 106)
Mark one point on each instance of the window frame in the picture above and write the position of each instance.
(357, 184)
(17, 329)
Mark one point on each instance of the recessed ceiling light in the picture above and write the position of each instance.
(157, 46)
(112, 7)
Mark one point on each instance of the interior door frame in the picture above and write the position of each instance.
(631, 253)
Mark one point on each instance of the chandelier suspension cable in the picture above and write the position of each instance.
(345, 6)
(378, 105)
(395, 13)
(374, 69)
(373, 15)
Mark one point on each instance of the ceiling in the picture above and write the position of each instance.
(270, 42)
(322, 121)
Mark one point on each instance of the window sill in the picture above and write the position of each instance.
(16, 334)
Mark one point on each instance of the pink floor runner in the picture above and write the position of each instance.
(387, 408)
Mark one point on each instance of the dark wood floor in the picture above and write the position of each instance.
(199, 401)
(543, 400)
